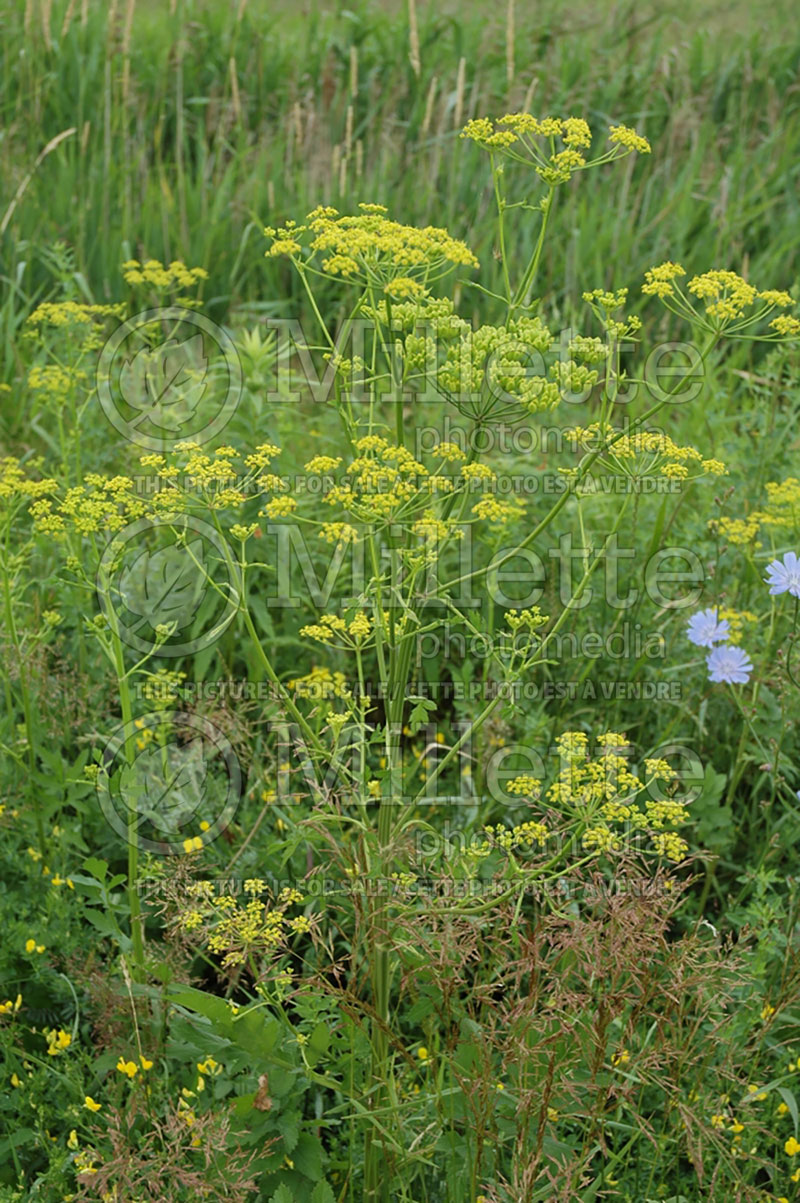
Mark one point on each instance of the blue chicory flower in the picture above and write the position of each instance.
(729, 665)
(705, 629)
(784, 575)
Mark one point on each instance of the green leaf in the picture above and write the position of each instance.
(102, 921)
(208, 1005)
(307, 1157)
(322, 1193)
(161, 970)
(255, 1033)
(22, 1136)
(243, 1104)
(283, 1195)
(97, 868)
(288, 1125)
(318, 1044)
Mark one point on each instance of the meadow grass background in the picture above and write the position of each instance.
(195, 124)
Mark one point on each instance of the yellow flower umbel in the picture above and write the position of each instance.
(371, 249)
(82, 323)
(338, 632)
(603, 793)
(243, 932)
(493, 362)
(644, 454)
(781, 510)
(554, 145)
(722, 302)
(164, 277)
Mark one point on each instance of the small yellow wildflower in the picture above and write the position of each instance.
(57, 1041)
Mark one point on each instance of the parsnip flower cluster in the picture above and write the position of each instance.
(243, 933)
(385, 484)
(188, 479)
(338, 632)
(72, 313)
(502, 366)
(781, 512)
(70, 324)
(321, 685)
(371, 249)
(646, 453)
(100, 505)
(603, 794)
(17, 485)
(162, 277)
(728, 302)
(555, 146)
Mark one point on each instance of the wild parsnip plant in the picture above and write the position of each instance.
(401, 774)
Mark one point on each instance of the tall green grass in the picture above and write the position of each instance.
(195, 124)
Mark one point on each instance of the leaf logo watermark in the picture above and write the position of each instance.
(171, 780)
(166, 383)
(165, 587)
(166, 785)
(169, 374)
(170, 585)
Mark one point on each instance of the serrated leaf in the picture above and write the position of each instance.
(166, 785)
(165, 586)
(288, 1125)
(322, 1193)
(283, 1195)
(257, 1034)
(165, 384)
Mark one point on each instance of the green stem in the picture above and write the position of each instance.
(26, 700)
(123, 689)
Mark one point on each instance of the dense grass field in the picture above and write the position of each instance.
(399, 602)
